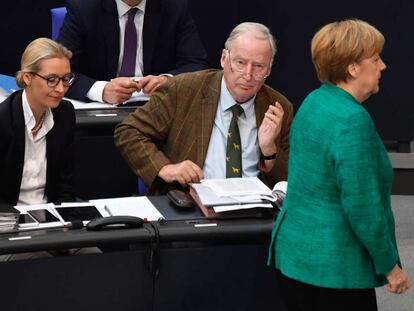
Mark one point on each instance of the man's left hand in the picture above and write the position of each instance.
(150, 83)
(270, 128)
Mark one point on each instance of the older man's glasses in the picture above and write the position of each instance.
(239, 66)
(53, 80)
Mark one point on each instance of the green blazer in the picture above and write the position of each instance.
(336, 228)
(176, 125)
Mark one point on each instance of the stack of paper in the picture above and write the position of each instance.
(9, 217)
(224, 195)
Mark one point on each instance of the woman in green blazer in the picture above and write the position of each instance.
(334, 240)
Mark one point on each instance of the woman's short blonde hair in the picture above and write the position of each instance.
(38, 50)
(339, 44)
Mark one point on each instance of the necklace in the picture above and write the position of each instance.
(37, 127)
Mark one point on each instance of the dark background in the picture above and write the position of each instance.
(293, 23)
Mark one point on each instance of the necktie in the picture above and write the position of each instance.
(130, 46)
(234, 152)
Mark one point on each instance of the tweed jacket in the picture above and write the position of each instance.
(176, 125)
(171, 43)
(59, 151)
(336, 228)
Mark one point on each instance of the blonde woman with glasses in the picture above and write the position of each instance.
(37, 129)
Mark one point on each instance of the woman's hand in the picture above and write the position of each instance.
(397, 281)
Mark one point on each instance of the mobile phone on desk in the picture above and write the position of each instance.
(43, 216)
(73, 213)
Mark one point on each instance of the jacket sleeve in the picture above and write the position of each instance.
(65, 190)
(73, 35)
(359, 164)
(140, 134)
(189, 49)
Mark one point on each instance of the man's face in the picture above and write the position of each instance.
(246, 65)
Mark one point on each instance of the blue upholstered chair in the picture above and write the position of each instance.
(58, 14)
(8, 84)
(142, 188)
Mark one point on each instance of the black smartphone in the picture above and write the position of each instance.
(71, 213)
(43, 215)
(180, 198)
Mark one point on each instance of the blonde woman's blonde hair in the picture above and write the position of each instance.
(38, 50)
(337, 45)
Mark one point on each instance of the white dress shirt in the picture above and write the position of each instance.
(215, 163)
(32, 187)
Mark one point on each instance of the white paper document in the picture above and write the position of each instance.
(79, 105)
(237, 186)
(228, 208)
(233, 193)
(128, 206)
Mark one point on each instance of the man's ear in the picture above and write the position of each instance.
(224, 54)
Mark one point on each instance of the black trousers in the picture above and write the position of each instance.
(300, 296)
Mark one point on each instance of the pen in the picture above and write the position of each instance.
(106, 208)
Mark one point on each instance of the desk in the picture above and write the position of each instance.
(100, 170)
(212, 268)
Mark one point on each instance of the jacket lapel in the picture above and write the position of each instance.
(19, 129)
(260, 107)
(209, 104)
(110, 29)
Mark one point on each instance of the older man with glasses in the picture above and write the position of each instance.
(213, 123)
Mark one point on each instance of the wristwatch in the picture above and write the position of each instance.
(269, 157)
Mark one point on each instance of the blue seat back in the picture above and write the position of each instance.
(142, 188)
(58, 15)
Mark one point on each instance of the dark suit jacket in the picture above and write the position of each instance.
(176, 125)
(59, 151)
(91, 31)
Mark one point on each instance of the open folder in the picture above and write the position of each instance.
(215, 196)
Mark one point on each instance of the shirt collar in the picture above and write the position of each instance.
(29, 119)
(123, 8)
(227, 101)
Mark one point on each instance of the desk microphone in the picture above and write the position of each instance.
(76, 224)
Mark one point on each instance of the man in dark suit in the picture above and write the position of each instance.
(181, 134)
(37, 129)
(95, 31)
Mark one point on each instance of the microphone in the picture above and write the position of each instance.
(279, 192)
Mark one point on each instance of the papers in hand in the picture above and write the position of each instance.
(233, 194)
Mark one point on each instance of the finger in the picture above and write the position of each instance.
(194, 174)
(278, 111)
(272, 120)
(193, 171)
(197, 170)
(151, 86)
(391, 289)
(144, 81)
